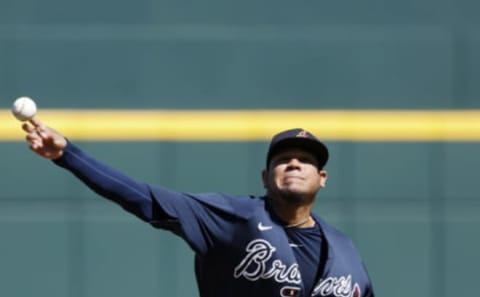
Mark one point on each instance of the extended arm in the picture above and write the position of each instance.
(199, 219)
(131, 195)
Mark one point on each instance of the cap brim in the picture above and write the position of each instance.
(315, 147)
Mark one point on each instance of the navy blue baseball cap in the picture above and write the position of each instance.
(298, 138)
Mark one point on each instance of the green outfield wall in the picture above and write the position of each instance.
(411, 206)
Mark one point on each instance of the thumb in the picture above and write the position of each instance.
(35, 121)
(39, 127)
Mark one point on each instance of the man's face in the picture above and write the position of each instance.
(293, 174)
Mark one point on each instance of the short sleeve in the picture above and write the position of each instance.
(203, 220)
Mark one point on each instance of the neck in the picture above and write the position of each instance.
(308, 222)
(292, 215)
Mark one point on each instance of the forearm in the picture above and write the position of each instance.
(109, 183)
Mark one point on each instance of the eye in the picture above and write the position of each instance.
(282, 160)
(307, 159)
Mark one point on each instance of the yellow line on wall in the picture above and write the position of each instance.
(249, 125)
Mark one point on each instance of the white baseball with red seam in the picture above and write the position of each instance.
(24, 108)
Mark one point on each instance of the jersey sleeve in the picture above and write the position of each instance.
(130, 194)
(203, 220)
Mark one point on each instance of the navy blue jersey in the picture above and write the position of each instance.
(308, 247)
(241, 248)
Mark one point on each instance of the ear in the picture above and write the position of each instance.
(323, 178)
(265, 178)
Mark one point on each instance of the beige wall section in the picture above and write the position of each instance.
(254, 125)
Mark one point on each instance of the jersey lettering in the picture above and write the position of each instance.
(338, 287)
(254, 266)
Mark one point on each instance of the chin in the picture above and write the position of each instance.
(293, 197)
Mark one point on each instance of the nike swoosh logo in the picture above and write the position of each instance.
(294, 245)
(261, 227)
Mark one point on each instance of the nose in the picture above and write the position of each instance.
(293, 163)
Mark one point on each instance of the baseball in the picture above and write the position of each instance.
(24, 108)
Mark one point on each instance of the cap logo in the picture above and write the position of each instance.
(302, 133)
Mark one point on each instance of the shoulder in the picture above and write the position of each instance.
(240, 206)
(344, 261)
(336, 238)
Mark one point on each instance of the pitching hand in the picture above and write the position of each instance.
(43, 140)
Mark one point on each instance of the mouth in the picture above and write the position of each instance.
(293, 177)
